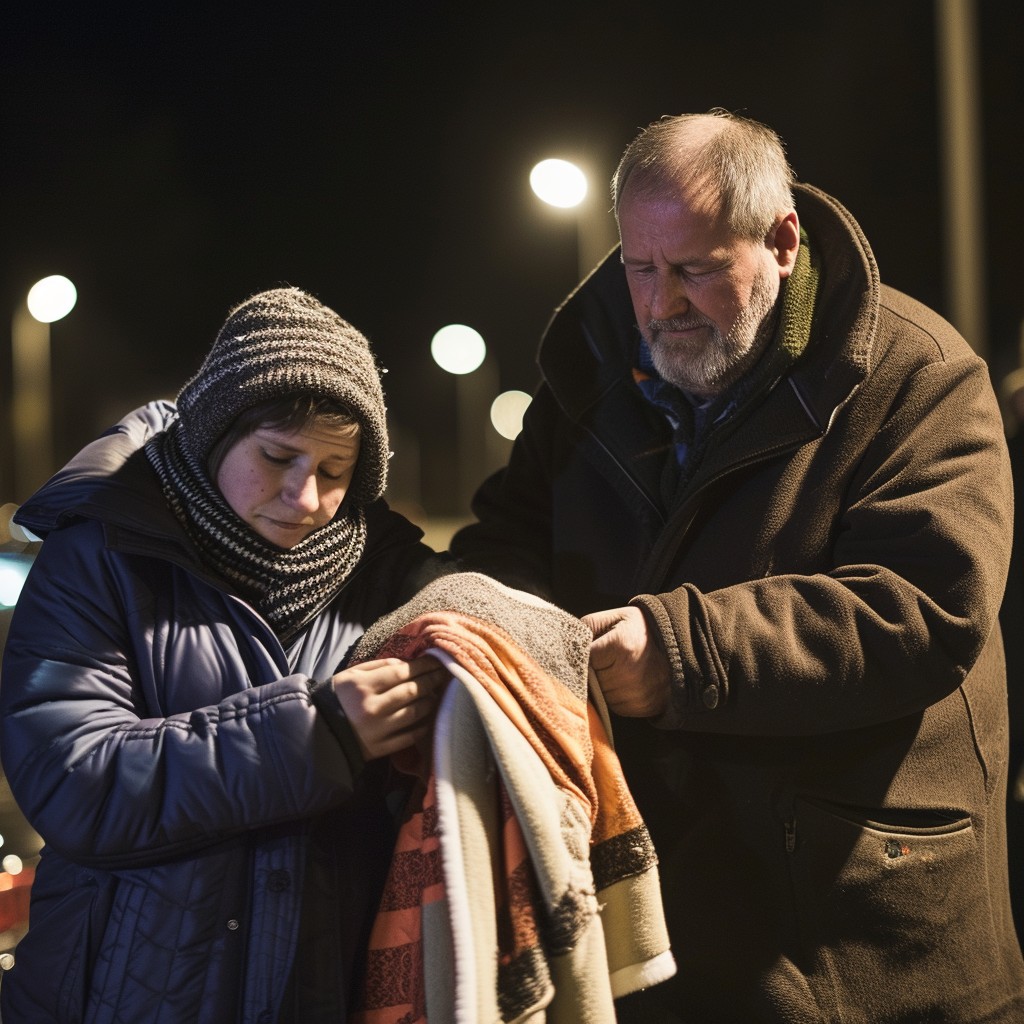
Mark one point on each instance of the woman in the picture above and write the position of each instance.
(176, 723)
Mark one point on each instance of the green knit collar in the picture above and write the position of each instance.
(798, 301)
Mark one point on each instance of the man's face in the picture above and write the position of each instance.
(700, 293)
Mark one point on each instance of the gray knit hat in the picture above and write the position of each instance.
(284, 342)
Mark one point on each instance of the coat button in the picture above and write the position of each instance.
(278, 881)
(710, 696)
(232, 925)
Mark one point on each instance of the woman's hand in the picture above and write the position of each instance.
(390, 703)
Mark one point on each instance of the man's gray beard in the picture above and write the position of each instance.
(721, 362)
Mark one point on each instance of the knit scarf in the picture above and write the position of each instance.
(286, 585)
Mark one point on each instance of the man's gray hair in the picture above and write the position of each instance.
(741, 160)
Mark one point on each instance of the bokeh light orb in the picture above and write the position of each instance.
(458, 349)
(507, 413)
(559, 183)
(52, 298)
(12, 579)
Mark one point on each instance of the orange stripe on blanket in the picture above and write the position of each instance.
(394, 984)
(619, 813)
(550, 717)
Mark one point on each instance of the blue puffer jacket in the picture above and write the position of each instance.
(195, 805)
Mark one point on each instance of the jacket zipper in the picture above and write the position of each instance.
(659, 562)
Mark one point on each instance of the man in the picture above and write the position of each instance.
(778, 492)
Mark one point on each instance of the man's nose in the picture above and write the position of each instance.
(669, 298)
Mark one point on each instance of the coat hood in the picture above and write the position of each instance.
(110, 480)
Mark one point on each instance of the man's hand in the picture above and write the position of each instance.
(390, 703)
(631, 668)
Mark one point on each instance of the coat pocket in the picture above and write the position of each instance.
(53, 961)
(892, 909)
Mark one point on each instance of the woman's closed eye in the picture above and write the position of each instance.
(277, 460)
(327, 472)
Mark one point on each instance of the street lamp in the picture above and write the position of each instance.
(562, 184)
(461, 351)
(458, 349)
(559, 183)
(48, 300)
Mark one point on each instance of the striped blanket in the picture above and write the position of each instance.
(523, 885)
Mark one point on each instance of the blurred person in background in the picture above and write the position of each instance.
(779, 493)
(1011, 615)
(177, 722)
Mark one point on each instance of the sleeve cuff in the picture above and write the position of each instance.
(326, 702)
(674, 715)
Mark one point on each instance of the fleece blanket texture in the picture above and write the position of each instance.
(524, 884)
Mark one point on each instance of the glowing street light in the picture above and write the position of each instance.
(461, 351)
(559, 183)
(458, 349)
(48, 300)
(507, 412)
(51, 299)
(563, 184)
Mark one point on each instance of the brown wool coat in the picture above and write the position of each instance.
(827, 795)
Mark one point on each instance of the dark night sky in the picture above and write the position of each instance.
(172, 159)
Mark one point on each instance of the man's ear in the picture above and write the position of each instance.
(784, 241)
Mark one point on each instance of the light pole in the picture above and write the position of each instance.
(962, 183)
(48, 300)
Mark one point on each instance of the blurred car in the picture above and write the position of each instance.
(19, 843)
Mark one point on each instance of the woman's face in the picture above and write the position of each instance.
(286, 484)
